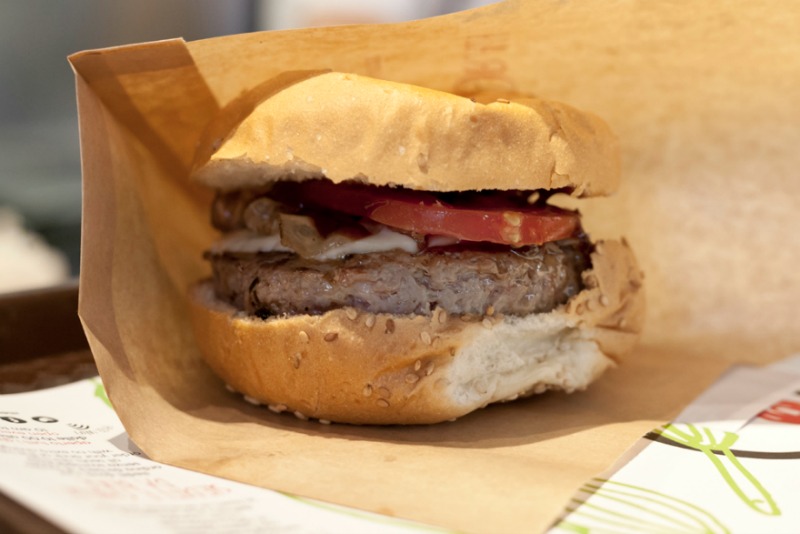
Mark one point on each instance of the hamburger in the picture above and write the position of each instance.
(390, 254)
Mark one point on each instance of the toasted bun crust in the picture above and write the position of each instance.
(349, 127)
(354, 367)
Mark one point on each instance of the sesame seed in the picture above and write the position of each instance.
(533, 197)
(426, 338)
(481, 387)
(252, 400)
(539, 389)
(429, 369)
(417, 365)
(303, 336)
(324, 422)
(277, 408)
(389, 326)
(385, 392)
(466, 317)
(504, 100)
(230, 388)
(367, 391)
(296, 359)
(442, 316)
(604, 300)
(370, 322)
(487, 323)
(383, 403)
(490, 311)
(411, 378)
(422, 162)
(513, 397)
(351, 314)
(331, 336)
(591, 281)
(301, 416)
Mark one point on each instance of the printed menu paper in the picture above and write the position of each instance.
(730, 462)
(65, 455)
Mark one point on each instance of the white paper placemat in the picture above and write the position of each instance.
(730, 462)
(65, 455)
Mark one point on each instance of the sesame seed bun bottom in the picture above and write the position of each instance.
(354, 367)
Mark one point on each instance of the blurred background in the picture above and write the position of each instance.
(40, 175)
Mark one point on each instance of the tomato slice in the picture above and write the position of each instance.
(509, 227)
(499, 219)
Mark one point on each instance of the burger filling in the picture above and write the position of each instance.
(310, 247)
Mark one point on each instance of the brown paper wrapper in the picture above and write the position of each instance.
(705, 102)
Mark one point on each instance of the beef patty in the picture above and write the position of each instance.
(513, 282)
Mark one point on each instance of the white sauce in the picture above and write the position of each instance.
(384, 240)
(380, 242)
(247, 241)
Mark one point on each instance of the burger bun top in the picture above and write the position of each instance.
(351, 127)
